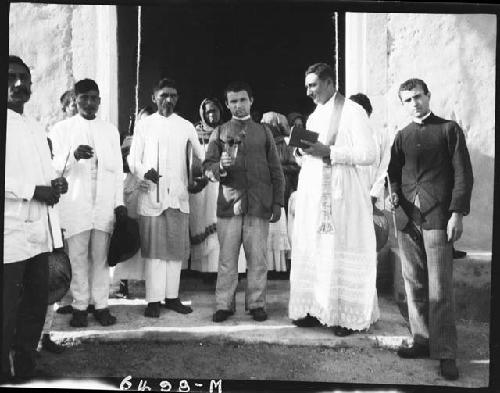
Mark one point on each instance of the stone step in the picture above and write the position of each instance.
(389, 332)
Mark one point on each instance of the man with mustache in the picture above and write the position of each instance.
(31, 227)
(431, 179)
(242, 156)
(158, 154)
(87, 150)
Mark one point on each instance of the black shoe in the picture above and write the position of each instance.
(308, 321)
(79, 319)
(104, 317)
(68, 309)
(222, 315)
(177, 306)
(152, 310)
(414, 352)
(51, 346)
(91, 309)
(449, 369)
(457, 254)
(258, 314)
(341, 331)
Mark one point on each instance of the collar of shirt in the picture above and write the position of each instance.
(420, 120)
(247, 117)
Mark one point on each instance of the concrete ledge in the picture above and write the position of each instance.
(389, 332)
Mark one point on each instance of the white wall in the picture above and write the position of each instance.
(455, 56)
(63, 43)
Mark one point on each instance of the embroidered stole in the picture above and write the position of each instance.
(326, 223)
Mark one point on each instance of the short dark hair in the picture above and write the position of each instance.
(322, 70)
(411, 84)
(364, 101)
(165, 82)
(17, 60)
(66, 98)
(84, 86)
(238, 86)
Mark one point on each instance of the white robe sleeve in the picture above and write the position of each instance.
(197, 148)
(63, 152)
(381, 170)
(135, 156)
(16, 185)
(361, 150)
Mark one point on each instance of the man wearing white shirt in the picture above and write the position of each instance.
(31, 227)
(87, 150)
(158, 154)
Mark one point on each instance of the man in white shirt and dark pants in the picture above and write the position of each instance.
(158, 154)
(31, 227)
(87, 150)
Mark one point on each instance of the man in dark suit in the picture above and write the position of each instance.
(431, 179)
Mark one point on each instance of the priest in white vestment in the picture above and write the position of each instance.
(334, 259)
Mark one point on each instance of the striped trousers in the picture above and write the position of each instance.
(427, 266)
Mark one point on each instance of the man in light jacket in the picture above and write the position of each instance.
(87, 151)
(31, 227)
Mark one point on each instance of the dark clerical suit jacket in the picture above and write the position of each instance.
(431, 160)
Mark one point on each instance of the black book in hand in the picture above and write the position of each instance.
(299, 134)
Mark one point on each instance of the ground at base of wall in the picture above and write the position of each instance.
(192, 360)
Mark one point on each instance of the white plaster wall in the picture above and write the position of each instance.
(63, 43)
(455, 55)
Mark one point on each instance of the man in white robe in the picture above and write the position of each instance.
(334, 260)
(158, 154)
(31, 227)
(87, 150)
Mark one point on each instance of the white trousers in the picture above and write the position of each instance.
(162, 279)
(88, 252)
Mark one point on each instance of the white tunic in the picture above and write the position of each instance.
(333, 276)
(95, 186)
(161, 141)
(30, 227)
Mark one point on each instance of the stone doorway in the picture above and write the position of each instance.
(204, 47)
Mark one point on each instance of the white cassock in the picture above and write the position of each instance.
(95, 189)
(333, 276)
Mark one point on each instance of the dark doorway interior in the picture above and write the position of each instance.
(204, 47)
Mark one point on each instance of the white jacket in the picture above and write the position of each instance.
(78, 211)
(30, 227)
(167, 136)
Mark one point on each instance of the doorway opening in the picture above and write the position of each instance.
(204, 47)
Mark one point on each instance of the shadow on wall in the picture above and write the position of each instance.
(478, 225)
